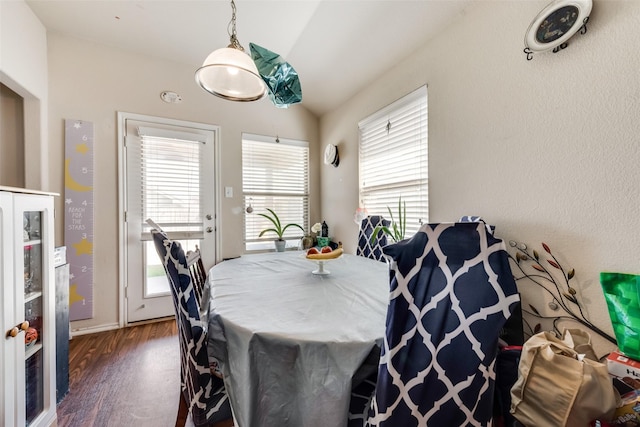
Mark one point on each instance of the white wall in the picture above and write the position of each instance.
(93, 82)
(23, 69)
(546, 150)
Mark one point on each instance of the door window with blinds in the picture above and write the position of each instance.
(275, 175)
(393, 160)
(169, 176)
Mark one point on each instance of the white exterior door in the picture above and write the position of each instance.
(169, 170)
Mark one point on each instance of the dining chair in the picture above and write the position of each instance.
(203, 394)
(360, 404)
(476, 218)
(365, 248)
(451, 291)
(198, 276)
(197, 271)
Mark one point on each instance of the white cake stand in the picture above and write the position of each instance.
(320, 262)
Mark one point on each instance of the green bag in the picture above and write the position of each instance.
(622, 294)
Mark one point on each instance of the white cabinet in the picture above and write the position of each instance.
(27, 297)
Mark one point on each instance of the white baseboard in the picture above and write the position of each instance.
(111, 326)
(93, 329)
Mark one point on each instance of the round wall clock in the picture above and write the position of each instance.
(556, 24)
(331, 156)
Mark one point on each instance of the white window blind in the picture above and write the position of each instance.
(275, 175)
(394, 161)
(170, 181)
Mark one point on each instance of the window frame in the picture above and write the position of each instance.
(405, 149)
(258, 194)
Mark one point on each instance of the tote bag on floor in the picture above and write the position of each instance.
(561, 383)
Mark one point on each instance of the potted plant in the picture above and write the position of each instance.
(395, 230)
(278, 228)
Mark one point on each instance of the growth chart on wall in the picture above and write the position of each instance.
(78, 218)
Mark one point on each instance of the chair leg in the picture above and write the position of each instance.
(183, 412)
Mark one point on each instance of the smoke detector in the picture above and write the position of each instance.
(170, 97)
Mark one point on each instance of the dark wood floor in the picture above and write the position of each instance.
(126, 377)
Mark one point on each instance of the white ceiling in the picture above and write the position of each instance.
(336, 46)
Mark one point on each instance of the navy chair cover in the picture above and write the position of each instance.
(451, 292)
(476, 218)
(471, 218)
(365, 248)
(360, 404)
(203, 392)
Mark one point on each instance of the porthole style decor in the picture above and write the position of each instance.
(555, 25)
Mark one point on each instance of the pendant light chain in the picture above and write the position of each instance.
(231, 29)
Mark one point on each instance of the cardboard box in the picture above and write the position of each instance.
(624, 368)
(628, 415)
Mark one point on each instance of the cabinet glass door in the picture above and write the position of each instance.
(33, 313)
(28, 377)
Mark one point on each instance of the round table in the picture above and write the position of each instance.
(290, 341)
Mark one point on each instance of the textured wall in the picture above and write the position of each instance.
(546, 150)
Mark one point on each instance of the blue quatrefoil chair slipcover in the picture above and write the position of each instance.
(365, 248)
(203, 392)
(451, 291)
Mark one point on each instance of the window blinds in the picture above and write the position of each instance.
(170, 177)
(275, 175)
(394, 160)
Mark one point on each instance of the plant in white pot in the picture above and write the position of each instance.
(277, 228)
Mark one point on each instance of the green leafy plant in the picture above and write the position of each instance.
(278, 228)
(396, 230)
(543, 271)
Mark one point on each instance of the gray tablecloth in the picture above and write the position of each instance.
(289, 341)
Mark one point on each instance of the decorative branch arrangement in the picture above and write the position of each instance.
(564, 296)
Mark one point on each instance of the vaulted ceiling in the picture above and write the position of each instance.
(336, 46)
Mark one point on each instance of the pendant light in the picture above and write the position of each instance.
(229, 72)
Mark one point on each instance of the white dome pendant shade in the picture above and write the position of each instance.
(231, 74)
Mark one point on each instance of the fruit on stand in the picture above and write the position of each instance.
(326, 253)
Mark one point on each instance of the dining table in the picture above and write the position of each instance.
(291, 343)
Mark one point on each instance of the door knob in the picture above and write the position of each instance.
(209, 229)
(209, 217)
